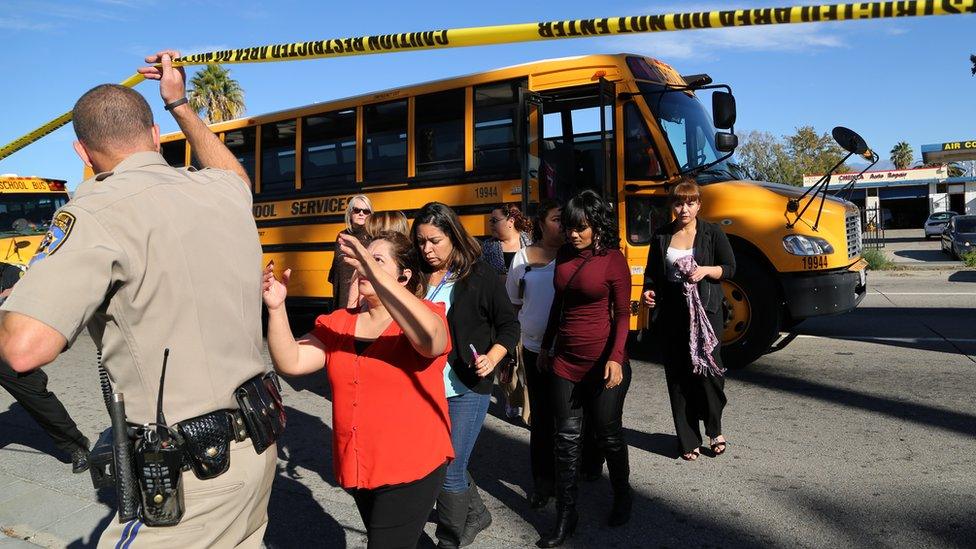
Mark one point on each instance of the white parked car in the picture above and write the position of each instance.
(936, 223)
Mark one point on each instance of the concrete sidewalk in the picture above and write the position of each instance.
(909, 249)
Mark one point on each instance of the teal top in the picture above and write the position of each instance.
(444, 293)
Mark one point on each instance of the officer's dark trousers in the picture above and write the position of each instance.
(31, 392)
(694, 398)
(395, 515)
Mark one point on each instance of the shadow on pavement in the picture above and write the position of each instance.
(963, 276)
(964, 424)
(295, 517)
(106, 496)
(923, 255)
(904, 327)
(662, 444)
(18, 427)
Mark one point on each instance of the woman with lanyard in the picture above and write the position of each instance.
(483, 331)
(584, 348)
(385, 363)
(530, 289)
(696, 385)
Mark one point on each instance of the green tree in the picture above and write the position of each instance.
(901, 155)
(216, 95)
(973, 59)
(814, 153)
(764, 157)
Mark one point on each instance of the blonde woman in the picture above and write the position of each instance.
(358, 212)
(388, 221)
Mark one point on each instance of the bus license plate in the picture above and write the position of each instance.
(815, 262)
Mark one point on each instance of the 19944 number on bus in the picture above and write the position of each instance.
(485, 192)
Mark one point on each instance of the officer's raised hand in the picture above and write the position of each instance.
(172, 80)
(274, 291)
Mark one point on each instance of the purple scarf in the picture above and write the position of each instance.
(703, 340)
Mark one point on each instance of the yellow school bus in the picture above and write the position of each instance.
(27, 205)
(625, 125)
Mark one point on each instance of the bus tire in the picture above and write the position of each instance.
(752, 308)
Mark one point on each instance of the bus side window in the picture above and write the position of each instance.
(242, 144)
(329, 150)
(439, 132)
(278, 157)
(640, 157)
(174, 152)
(385, 136)
(495, 142)
(644, 215)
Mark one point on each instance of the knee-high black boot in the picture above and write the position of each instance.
(618, 467)
(568, 446)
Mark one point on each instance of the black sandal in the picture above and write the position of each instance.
(694, 454)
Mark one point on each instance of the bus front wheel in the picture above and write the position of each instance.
(752, 313)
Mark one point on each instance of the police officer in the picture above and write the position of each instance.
(149, 257)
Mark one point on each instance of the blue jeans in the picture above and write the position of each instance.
(467, 413)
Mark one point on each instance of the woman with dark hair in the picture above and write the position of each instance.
(690, 254)
(483, 331)
(584, 348)
(509, 234)
(530, 289)
(385, 362)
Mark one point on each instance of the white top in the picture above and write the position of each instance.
(673, 255)
(536, 299)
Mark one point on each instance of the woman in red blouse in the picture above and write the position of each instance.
(584, 347)
(385, 362)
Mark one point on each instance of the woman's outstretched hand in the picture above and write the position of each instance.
(354, 253)
(274, 291)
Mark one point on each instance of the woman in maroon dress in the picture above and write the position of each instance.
(584, 347)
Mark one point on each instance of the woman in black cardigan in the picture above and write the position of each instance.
(694, 397)
(484, 330)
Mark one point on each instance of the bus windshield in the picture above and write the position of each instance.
(28, 213)
(689, 130)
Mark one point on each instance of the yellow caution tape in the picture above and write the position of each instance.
(33, 136)
(546, 30)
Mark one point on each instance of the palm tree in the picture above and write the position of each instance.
(215, 94)
(901, 155)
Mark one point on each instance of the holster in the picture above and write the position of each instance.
(207, 441)
(261, 409)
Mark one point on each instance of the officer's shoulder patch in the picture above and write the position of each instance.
(57, 233)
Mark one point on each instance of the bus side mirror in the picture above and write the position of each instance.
(21, 244)
(726, 142)
(723, 110)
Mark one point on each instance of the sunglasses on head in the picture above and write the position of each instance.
(356, 210)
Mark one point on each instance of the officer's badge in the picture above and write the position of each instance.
(60, 228)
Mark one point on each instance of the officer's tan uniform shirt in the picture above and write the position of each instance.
(154, 257)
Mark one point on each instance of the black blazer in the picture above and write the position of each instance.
(481, 315)
(712, 248)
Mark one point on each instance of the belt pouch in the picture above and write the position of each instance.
(262, 410)
(207, 443)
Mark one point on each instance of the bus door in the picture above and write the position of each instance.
(530, 118)
(576, 150)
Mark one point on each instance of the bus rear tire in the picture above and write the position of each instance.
(752, 306)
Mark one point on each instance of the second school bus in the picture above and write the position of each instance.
(624, 125)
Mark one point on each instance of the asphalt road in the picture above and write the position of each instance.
(860, 432)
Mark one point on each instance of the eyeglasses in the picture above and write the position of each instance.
(356, 210)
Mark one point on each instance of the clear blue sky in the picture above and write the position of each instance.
(891, 80)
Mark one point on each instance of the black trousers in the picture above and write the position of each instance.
(543, 424)
(694, 398)
(31, 392)
(395, 515)
(602, 412)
